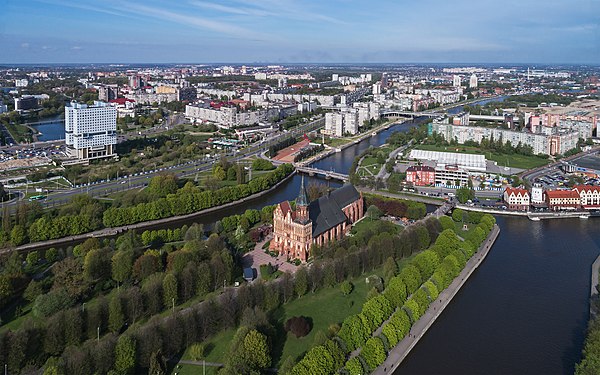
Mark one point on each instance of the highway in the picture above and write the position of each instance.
(187, 169)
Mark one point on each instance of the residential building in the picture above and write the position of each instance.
(420, 175)
(334, 124)
(3, 107)
(562, 199)
(318, 222)
(187, 94)
(108, 93)
(516, 199)
(589, 196)
(473, 81)
(456, 80)
(91, 131)
(559, 142)
(21, 82)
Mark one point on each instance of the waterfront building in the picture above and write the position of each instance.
(589, 196)
(91, 131)
(318, 222)
(558, 141)
(562, 199)
(537, 194)
(420, 175)
(516, 199)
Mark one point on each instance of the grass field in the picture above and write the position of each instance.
(514, 160)
(337, 142)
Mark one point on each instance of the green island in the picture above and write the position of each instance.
(146, 301)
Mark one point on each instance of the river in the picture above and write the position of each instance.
(51, 129)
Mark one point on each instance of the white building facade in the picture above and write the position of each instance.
(91, 131)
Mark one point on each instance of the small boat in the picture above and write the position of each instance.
(374, 133)
(534, 218)
(584, 216)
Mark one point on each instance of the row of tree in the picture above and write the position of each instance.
(404, 300)
(308, 152)
(190, 199)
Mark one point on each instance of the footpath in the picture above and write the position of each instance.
(418, 330)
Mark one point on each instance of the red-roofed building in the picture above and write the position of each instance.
(589, 195)
(562, 199)
(419, 175)
(517, 198)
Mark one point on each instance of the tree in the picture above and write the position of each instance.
(96, 265)
(170, 289)
(6, 289)
(390, 268)
(354, 367)
(465, 193)
(116, 317)
(298, 325)
(125, 354)
(157, 364)
(121, 265)
(374, 352)
(256, 350)
(47, 304)
(18, 235)
(34, 289)
(301, 281)
(373, 212)
(346, 287)
(32, 258)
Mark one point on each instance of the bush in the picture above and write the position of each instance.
(354, 367)
(197, 351)
(347, 287)
(298, 325)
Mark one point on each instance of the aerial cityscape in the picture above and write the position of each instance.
(258, 187)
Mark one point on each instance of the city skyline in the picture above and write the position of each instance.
(56, 31)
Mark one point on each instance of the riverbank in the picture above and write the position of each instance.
(109, 232)
(531, 215)
(594, 286)
(418, 330)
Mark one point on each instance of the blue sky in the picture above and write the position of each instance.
(346, 31)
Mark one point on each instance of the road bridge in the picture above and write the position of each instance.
(327, 174)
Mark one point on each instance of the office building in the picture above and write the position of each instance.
(108, 93)
(91, 131)
(26, 103)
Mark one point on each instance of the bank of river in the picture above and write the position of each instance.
(49, 129)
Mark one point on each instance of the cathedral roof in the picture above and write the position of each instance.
(326, 212)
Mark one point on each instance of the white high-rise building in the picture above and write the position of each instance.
(377, 89)
(456, 81)
(91, 131)
(473, 81)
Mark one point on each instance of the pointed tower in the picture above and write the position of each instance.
(302, 204)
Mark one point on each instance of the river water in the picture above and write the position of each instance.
(52, 129)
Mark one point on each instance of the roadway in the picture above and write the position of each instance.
(187, 169)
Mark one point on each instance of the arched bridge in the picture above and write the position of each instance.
(327, 174)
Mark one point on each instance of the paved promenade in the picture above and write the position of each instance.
(418, 330)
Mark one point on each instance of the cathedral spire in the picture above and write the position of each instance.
(302, 199)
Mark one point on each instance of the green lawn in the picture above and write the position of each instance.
(337, 142)
(513, 160)
(327, 306)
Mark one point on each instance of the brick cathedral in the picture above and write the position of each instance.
(318, 222)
